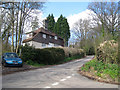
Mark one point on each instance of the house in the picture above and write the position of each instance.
(43, 38)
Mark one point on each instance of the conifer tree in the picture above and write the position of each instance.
(50, 22)
(62, 29)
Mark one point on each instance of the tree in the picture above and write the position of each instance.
(35, 24)
(107, 13)
(16, 13)
(50, 22)
(62, 29)
(82, 29)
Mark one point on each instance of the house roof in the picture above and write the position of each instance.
(42, 30)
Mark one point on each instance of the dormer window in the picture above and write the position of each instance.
(44, 35)
(55, 37)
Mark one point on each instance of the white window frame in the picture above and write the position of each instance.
(55, 37)
(43, 45)
(55, 45)
(44, 35)
(30, 35)
(50, 36)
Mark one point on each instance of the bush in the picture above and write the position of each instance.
(71, 52)
(107, 52)
(47, 56)
(103, 70)
(90, 50)
(58, 54)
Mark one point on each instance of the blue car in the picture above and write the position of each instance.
(11, 59)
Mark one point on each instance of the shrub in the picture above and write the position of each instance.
(108, 52)
(101, 69)
(28, 53)
(90, 50)
(71, 52)
(42, 56)
(58, 54)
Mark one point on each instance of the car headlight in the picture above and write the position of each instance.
(8, 61)
(20, 61)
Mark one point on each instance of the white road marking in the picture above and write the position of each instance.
(56, 83)
(62, 79)
(68, 76)
(47, 87)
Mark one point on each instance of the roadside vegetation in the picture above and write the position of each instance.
(96, 35)
(107, 71)
(49, 56)
(105, 65)
(99, 35)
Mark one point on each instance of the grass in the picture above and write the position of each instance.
(30, 62)
(102, 70)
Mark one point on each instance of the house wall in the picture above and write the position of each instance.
(39, 38)
(40, 41)
(36, 44)
(39, 45)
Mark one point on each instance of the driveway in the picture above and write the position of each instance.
(60, 76)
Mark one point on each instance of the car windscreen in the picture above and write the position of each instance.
(10, 55)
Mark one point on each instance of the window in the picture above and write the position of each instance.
(44, 35)
(31, 34)
(50, 36)
(10, 55)
(55, 37)
(56, 45)
(43, 45)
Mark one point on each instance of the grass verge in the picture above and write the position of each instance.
(108, 72)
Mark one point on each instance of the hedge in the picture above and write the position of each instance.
(71, 52)
(47, 56)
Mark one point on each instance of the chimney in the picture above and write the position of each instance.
(45, 24)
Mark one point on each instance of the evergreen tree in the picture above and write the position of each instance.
(50, 22)
(62, 29)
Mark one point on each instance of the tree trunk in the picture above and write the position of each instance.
(12, 47)
(17, 29)
(20, 24)
(0, 37)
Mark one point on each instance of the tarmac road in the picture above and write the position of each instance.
(59, 76)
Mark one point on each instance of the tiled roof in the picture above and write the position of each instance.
(38, 31)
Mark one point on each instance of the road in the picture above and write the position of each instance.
(60, 76)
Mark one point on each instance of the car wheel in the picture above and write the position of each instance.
(2, 63)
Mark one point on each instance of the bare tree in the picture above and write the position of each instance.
(16, 15)
(81, 29)
(107, 15)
